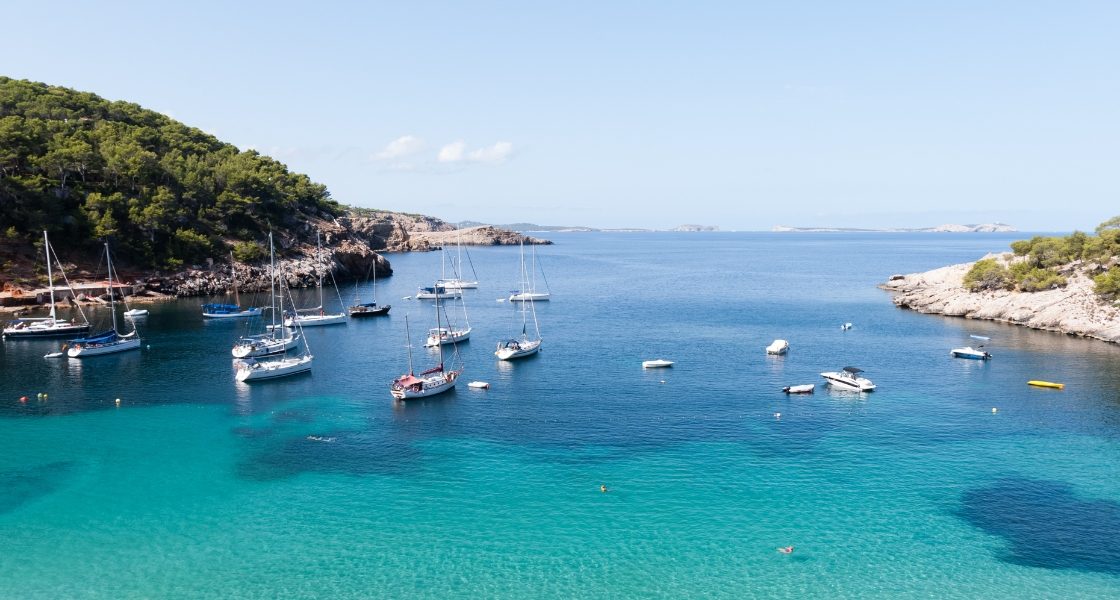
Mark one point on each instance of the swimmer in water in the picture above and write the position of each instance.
(786, 550)
(603, 488)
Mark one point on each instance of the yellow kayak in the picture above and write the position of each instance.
(1046, 384)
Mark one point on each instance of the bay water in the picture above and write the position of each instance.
(322, 486)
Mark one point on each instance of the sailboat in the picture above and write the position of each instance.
(281, 339)
(257, 370)
(528, 291)
(49, 326)
(449, 335)
(230, 311)
(370, 309)
(106, 342)
(457, 282)
(429, 383)
(514, 348)
(322, 318)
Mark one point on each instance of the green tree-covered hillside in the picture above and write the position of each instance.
(85, 168)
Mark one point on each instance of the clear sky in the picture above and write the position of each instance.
(650, 114)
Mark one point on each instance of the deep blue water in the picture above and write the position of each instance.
(321, 485)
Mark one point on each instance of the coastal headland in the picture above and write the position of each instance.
(1074, 309)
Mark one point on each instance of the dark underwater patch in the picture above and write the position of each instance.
(1045, 524)
(18, 488)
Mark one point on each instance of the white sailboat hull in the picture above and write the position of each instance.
(428, 386)
(523, 349)
(448, 294)
(44, 329)
(263, 346)
(529, 296)
(315, 320)
(248, 312)
(273, 369)
(120, 345)
(457, 284)
(448, 337)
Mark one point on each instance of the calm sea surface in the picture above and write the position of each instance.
(322, 486)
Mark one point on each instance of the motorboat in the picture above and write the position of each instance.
(970, 352)
(848, 378)
(228, 311)
(657, 363)
(446, 335)
(1046, 384)
(800, 389)
(254, 370)
(778, 347)
(438, 292)
(845, 326)
(51, 325)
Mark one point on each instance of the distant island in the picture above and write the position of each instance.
(1069, 284)
(950, 228)
(695, 228)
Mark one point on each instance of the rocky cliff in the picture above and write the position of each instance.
(1074, 309)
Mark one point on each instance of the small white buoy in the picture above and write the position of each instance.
(501, 299)
(407, 298)
(777, 415)
(118, 401)
(662, 381)
(149, 347)
(995, 410)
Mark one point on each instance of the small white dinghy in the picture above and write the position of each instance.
(799, 389)
(136, 312)
(479, 385)
(659, 363)
(845, 326)
(54, 355)
(778, 347)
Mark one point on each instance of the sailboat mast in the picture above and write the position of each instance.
(319, 266)
(112, 301)
(408, 338)
(272, 282)
(233, 280)
(439, 332)
(50, 275)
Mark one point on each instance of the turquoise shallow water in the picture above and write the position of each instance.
(321, 486)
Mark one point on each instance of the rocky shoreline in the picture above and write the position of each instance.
(351, 246)
(1074, 309)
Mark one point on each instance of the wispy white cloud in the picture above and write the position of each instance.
(452, 152)
(456, 152)
(406, 145)
(498, 153)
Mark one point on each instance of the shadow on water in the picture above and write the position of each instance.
(1047, 525)
(26, 485)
